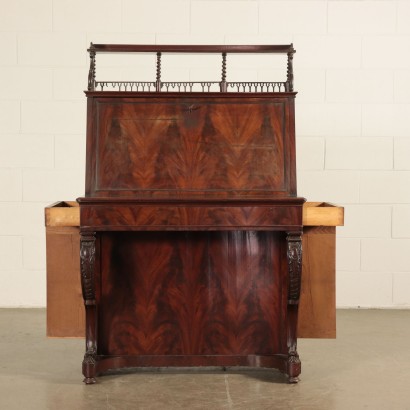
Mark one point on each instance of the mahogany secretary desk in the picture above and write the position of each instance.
(190, 224)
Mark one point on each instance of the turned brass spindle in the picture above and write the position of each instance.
(223, 82)
(91, 72)
(158, 79)
(289, 81)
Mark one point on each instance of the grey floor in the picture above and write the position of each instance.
(366, 367)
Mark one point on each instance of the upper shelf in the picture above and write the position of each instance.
(191, 86)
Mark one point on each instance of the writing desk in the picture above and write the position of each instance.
(190, 224)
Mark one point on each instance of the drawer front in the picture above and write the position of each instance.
(156, 217)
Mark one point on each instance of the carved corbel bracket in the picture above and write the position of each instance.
(294, 255)
(87, 258)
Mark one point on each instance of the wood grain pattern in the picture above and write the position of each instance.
(317, 310)
(322, 214)
(65, 307)
(198, 293)
(62, 213)
(192, 147)
(159, 216)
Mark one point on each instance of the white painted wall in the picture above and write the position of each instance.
(352, 71)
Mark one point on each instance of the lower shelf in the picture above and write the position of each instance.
(288, 366)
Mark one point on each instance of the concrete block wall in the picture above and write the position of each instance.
(352, 71)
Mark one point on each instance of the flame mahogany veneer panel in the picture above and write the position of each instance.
(164, 147)
(192, 293)
(189, 217)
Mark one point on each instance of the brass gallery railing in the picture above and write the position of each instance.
(190, 86)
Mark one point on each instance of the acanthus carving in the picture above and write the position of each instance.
(90, 356)
(293, 366)
(293, 356)
(294, 254)
(87, 258)
(89, 365)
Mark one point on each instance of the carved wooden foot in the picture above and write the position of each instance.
(294, 367)
(89, 367)
(90, 380)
